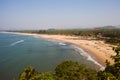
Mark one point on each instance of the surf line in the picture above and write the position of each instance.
(17, 42)
(62, 44)
(85, 54)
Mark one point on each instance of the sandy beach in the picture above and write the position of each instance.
(98, 49)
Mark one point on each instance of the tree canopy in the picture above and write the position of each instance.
(70, 70)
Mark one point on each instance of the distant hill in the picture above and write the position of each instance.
(118, 26)
(108, 27)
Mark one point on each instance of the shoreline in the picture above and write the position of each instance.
(97, 49)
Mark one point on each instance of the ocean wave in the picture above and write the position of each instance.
(17, 42)
(85, 54)
(62, 44)
(91, 59)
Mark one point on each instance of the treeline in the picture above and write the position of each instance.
(70, 70)
(108, 35)
(114, 33)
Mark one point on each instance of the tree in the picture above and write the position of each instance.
(44, 76)
(70, 70)
(27, 74)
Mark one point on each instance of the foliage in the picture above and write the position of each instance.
(29, 73)
(44, 76)
(112, 72)
(69, 70)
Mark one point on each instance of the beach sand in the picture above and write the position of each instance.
(100, 50)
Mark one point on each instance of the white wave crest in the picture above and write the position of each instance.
(17, 42)
(62, 44)
(91, 59)
(85, 54)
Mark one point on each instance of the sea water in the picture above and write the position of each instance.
(20, 51)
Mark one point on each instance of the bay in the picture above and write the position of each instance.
(20, 51)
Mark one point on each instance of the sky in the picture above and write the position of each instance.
(58, 14)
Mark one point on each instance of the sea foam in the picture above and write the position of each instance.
(17, 42)
(62, 44)
(85, 54)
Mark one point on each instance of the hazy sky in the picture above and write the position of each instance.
(43, 14)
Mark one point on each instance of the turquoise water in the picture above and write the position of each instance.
(20, 51)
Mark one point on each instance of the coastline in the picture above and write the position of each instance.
(97, 49)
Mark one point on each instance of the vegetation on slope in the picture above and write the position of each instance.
(111, 72)
(69, 70)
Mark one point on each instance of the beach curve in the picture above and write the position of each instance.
(100, 50)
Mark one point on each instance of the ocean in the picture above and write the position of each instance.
(20, 51)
